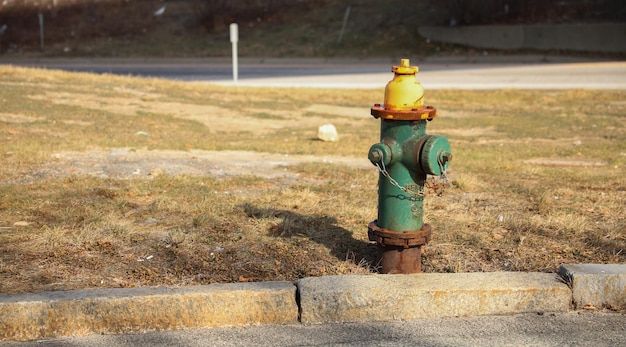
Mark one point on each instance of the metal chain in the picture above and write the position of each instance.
(384, 172)
(442, 166)
(439, 185)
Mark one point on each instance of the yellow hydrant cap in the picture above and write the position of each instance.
(404, 92)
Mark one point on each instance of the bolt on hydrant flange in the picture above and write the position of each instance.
(405, 156)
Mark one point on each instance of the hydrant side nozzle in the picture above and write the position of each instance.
(380, 153)
(435, 155)
(376, 156)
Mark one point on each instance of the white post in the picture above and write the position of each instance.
(234, 38)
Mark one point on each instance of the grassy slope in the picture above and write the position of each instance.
(501, 213)
(312, 29)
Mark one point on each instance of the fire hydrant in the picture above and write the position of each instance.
(405, 156)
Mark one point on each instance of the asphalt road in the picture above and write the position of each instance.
(564, 329)
(373, 74)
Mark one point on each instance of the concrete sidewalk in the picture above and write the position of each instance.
(316, 300)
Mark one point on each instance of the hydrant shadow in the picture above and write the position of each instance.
(320, 229)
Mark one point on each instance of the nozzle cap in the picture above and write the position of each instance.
(435, 155)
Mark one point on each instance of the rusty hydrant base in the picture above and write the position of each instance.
(399, 252)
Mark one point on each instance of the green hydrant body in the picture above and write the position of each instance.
(404, 156)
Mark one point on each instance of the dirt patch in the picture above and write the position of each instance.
(342, 111)
(565, 162)
(466, 132)
(125, 163)
(454, 114)
(213, 117)
(142, 94)
(17, 118)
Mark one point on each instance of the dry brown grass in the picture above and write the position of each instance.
(113, 181)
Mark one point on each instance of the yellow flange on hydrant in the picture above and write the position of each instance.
(404, 156)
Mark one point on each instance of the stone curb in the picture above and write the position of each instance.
(110, 311)
(310, 301)
(405, 297)
(596, 285)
